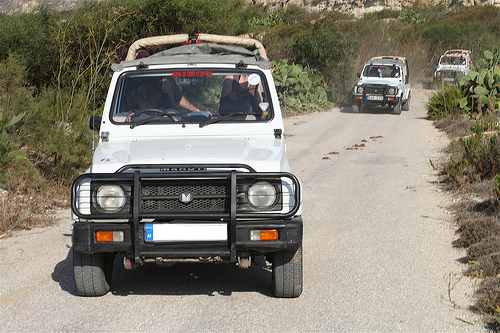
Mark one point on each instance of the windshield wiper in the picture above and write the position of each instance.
(151, 118)
(226, 116)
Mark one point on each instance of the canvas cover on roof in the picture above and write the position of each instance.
(199, 53)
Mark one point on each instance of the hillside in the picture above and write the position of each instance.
(356, 7)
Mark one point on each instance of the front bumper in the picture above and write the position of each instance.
(157, 201)
(381, 100)
(134, 243)
(376, 95)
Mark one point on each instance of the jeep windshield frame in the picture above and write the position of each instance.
(382, 71)
(199, 94)
(456, 60)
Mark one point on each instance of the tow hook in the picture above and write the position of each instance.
(129, 264)
(244, 262)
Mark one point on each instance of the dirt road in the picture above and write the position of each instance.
(378, 253)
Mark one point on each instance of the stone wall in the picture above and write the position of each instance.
(361, 7)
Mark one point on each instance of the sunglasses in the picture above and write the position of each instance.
(146, 94)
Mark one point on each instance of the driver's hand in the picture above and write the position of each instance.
(129, 117)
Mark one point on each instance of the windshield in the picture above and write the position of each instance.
(191, 96)
(452, 60)
(382, 71)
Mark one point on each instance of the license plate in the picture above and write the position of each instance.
(375, 98)
(170, 232)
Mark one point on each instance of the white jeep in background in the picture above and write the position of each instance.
(452, 65)
(190, 166)
(383, 82)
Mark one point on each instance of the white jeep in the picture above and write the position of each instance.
(190, 166)
(383, 82)
(453, 64)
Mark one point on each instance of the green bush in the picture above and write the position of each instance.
(443, 103)
(49, 131)
(330, 52)
(15, 101)
(29, 37)
(411, 16)
(479, 158)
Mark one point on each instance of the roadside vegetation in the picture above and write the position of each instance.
(54, 72)
(469, 112)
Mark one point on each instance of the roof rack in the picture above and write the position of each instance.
(249, 43)
(458, 51)
(398, 58)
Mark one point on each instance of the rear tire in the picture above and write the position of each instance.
(93, 273)
(287, 273)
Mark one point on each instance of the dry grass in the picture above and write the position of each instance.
(478, 217)
(455, 126)
(489, 300)
(23, 207)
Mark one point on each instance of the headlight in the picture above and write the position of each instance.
(359, 90)
(110, 198)
(391, 91)
(261, 195)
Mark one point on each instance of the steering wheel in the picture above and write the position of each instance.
(157, 113)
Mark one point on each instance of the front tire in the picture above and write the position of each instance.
(93, 273)
(406, 104)
(287, 273)
(397, 108)
(355, 108)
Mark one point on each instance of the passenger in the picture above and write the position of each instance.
(171, 89)
(175, 97)
(237, 85)
(239, 95)
(395, 72)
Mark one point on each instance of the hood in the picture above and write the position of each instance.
(262, 154)
(450, 68)
(377, 80)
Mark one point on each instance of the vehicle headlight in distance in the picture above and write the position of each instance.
(110, 198)
(261, 195)
(391, 91)
(360, 89)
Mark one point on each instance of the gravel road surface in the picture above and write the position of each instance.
(378, 252)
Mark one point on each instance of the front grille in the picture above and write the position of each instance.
(374, 90)
(203, 196)
(448, 75)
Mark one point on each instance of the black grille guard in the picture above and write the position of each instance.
(135, 179)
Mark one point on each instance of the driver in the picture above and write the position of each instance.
(147, 96)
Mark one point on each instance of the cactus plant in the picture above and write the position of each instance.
(300, 88)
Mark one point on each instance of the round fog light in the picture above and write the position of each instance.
(110, 198)
(261, 195)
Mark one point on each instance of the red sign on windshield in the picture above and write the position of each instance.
(192, 74)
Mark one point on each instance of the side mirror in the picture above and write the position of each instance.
(95, 123)
(358, 75)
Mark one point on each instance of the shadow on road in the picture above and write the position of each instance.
(180, 279)
(374, 110)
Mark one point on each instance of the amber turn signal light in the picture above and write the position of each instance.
(109, 236)
(263, 235)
